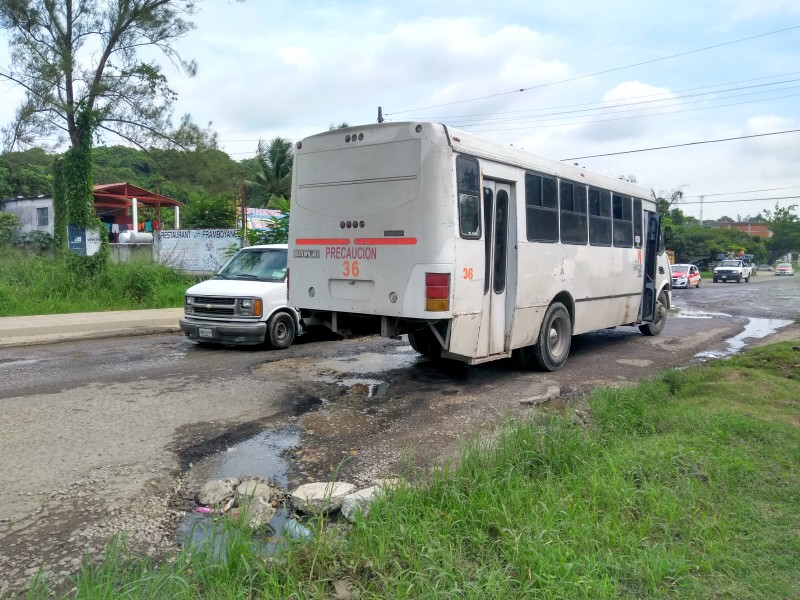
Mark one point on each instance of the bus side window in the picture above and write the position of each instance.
(469, 216)
(573, 213)
(599, 217)
(637, 222)
(541, 208)
(469, 206)
(623, 223)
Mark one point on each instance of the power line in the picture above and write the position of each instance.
(646, 62)
(790, 187)
(723, 95)
(741, 200)
(608, 103)
(593, 121)
(741, 137)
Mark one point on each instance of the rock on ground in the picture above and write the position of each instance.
(321, 497)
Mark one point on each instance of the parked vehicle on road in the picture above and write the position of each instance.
(766, 268)
(476, 250)
(733, 269)
(784, 269)
(245, 303)
(685, 276)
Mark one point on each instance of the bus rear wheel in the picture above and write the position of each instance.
(657, 326)
(555, 338)
(425, 342)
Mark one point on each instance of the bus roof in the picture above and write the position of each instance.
(469, 143)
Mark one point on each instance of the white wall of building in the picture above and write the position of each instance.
(29, 211)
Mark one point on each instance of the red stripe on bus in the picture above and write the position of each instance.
(388, 241)
(322, 241)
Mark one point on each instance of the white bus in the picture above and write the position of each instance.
(475, 249)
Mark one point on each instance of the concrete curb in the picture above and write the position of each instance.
(49, 329)
(54, 338)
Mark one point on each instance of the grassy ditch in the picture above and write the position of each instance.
(685, 486)
(38, 285)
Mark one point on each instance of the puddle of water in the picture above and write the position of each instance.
(687, 313)
(200, 531)
(260, 455)
(755, 329)
(371, 388)
(369, 362)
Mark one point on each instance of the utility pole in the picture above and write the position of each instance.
(701, 210)
(244, 212)
(380, 114)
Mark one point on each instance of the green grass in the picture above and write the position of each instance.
(37, 285)
(685, 486)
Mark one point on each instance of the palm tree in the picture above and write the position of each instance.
(276, 160)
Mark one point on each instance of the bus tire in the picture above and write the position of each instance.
(657, 326)
(555, 338)
(424, 342)
(281, 331)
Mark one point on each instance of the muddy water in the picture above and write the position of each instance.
(262, 455)
(753, 330)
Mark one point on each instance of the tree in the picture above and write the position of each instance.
(204, 210)
(785, 227)
(79, 66)
(276, 160)
(28, 173)
(6, 189)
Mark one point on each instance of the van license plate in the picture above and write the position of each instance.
(205, 332)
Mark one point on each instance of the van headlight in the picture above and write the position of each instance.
(250, 307)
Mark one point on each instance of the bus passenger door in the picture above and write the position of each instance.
(651, 265)
(492, 338)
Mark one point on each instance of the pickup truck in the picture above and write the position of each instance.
(733, 269)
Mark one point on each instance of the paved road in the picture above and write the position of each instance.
(109, 435)
(765, 296)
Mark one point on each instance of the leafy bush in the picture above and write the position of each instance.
(38, 241)
(9, 222)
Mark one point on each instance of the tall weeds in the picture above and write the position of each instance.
(32, 284)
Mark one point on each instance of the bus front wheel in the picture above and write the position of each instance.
(551, 351)
(657, 326)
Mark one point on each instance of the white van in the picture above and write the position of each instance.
(245, 303)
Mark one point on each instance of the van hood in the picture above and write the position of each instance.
(237, 288)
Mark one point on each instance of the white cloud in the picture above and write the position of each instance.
(628, 112)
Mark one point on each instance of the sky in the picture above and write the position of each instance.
(567, 80)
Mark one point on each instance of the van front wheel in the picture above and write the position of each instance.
(281, 331)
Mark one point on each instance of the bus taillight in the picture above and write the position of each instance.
(437, 291)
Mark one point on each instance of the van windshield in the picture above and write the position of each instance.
(256, 264)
